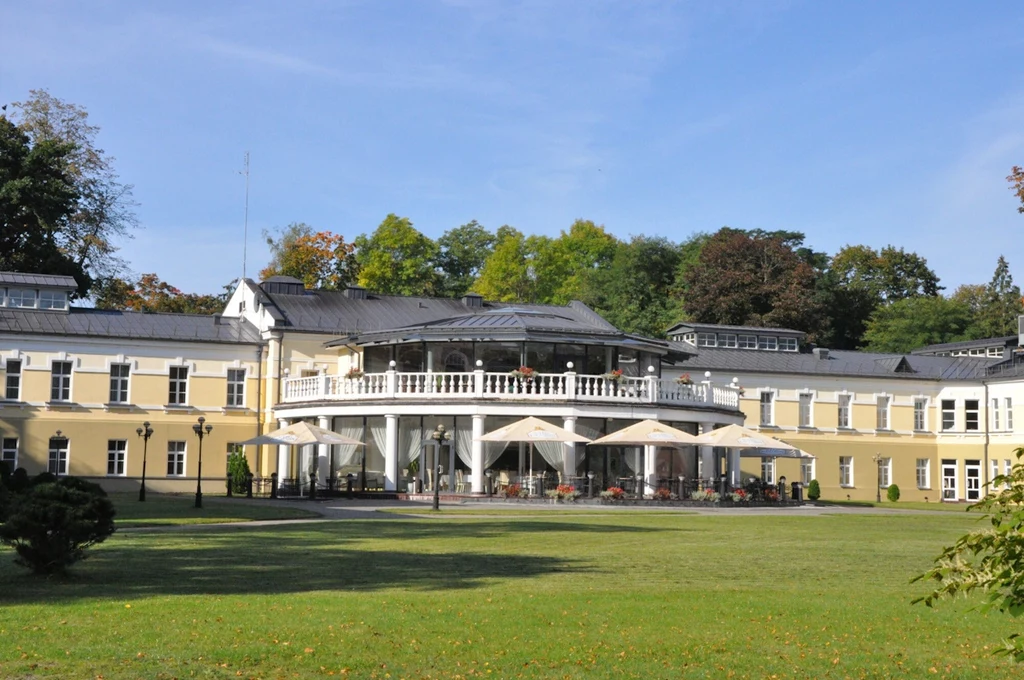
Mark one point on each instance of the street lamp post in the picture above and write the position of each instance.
(59, 438)
(201, 432)
(145, 432)
(878, 477)
(440, 436)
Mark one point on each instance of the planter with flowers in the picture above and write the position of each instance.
(613, 493)
(662, 495)
(522, 378)
(739, 496)
(563, 492)
(513, 492)
(354, 374)
(706, 496)
(684, 379)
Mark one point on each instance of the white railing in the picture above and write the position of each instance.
(482, 385)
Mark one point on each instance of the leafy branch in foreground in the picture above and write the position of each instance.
(989, 560)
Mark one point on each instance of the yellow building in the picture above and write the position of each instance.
(78, 383)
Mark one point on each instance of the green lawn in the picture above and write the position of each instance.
(162, 509)
(555, 596)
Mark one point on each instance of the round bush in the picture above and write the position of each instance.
(893, 493)
(814, 490)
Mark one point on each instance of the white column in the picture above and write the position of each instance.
(478, 454)
(390, 453)
(283, 469)
(650, 470)
(707, 454)
(569, 452)
(323, 455)
(735, 478)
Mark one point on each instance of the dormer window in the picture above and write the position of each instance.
(707, 340)
(787, 344)
(747, 341)
(53, 299)
(21, 297)
(728, 340)
(769, 342)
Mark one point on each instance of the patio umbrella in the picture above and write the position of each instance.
(299, 434)
(737, 437)
(647, 433)
(531, 430)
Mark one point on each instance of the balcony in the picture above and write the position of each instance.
(504, 387)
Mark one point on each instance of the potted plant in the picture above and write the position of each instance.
(614, 376)
(613, 493)
(684, 379)
(354, 373)
(662, 494)
(523, 373)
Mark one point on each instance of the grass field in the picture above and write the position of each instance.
(162, 509)
(555, 596)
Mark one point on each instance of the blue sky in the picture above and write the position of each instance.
(855, 122)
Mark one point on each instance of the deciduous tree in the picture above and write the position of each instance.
(150, 294)
(1016, 180)
(506, 276)
(915, 322)
(396, 259)
(320, 259)
(463, 251)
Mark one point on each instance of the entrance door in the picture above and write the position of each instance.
(972, 473)
(949, 490)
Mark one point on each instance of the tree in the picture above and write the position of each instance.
(991, 560)
(890, 275)
(105, 210)
(1016, 180)
(567, 261)
(238, 472)
(320, 259)
(150, 294)
(462, 254)
(752, 280)
(505, 276)
(915, 322)
(37, 195)
(52, 523)
(397, 260)
(1000, 306)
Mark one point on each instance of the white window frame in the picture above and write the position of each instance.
(17, 298)
(807, 466)
(805, 409)
(846, 472)
(770, 403)
(788, 345)
(1007, 466)
(948, 415)
(120, 384)
(9, 452)
(883, 412)
(729, 341)
(177, 397)
(117, 457)
(768, 470)
(884, 472)
(969, 412)
(844, 411)
(994, 418)
(60, 383)
(993, 472)
(920, 414)
(236, 388)
(707, 340)
(12, 379)
(1008, 405)
(768, 343)
(746, 341)
(177, 452)
(58, 460)
(53, 299)
(923, 471)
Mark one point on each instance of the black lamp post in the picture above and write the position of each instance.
(878, 475)
(201, 432)
(440, 436)
(145, 432)
(59, 438)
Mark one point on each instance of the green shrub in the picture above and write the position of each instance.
(50, 525)
(814, 490)
(893, 493)
(238, 468)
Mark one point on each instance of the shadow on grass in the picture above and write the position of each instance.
(360, 556)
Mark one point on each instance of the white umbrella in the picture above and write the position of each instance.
(531, 430)
(647, 433)
(299, 434)
(737, 437)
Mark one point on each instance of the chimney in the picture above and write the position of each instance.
(820, 353)
(216, 319)
(354, 292)
(473, 300)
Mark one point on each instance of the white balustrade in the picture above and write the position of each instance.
(502, 386)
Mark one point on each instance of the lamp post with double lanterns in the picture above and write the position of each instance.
(878, 477)
(201, 429)
(145, 432)
(441, 437)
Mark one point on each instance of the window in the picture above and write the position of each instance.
(58, 463)
(19, 297)
(805, 411)
(53, 299)
(768, 470)
(706, 340)
(995, 472)
(788, 344)
(806, 471)
(236, 387)
(923, 473)
(1007, 466)
(845, 470)
(1008, 405)
(748, 341)
(995, 414)
(179, 384)
(728, 340)
(995, 352)
(119, 383)
(971, 415)
(175, 459)
(844, 410)
(116, 449)
(979, 352)
(767, 416)
(948, 414)
(920, 414)
(768, 342)
(884, 472)
(60, 381)
(13, 387)
(882, 414)
(9, 453)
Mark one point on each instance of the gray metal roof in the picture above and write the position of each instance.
(1004, 341)
(841, 363)
(717, 327)
(38, 280)
(129, 325)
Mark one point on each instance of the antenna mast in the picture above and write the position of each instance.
(245, 232)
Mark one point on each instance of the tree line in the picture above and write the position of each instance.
(63, 210)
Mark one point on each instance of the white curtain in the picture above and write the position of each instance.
(411, 445)
(493, 451)
(378, 430)
(631, 458)
(552, 452)
(589, 432)
(464, 445)
(348, 454)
